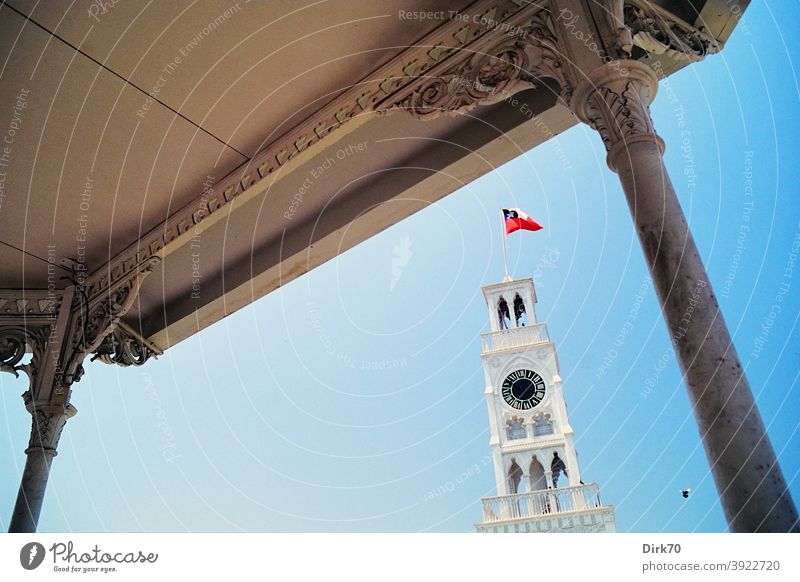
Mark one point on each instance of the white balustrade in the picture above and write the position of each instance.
(546, 502)
(516, 337)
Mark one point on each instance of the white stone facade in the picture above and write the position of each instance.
(536, 467)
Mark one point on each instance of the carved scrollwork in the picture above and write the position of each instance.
(483, 78)
(544, 53)
(15, 342)
(97, 318)
(657, 31)
(123, 348)
(489, 74)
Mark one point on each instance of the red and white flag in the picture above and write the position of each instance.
(515, 219)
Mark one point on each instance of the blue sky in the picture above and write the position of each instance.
(352, 399)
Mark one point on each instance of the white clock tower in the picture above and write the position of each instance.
(539, 487)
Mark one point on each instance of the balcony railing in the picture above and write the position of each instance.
(515, 337)
(547, 502)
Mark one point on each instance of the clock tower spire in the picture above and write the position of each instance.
(539, 486)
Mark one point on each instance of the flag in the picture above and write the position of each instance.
(515, 219)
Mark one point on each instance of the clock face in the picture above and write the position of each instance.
(523, 389)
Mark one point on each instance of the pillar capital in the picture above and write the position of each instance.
(46, 429)
(614, 99)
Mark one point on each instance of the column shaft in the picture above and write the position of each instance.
(31, 492)
(45, 432)
(752, 488)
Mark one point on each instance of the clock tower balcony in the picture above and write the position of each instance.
(514, 338)
(548, 510)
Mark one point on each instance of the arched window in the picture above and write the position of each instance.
(515, 428)
(514, 477)
(519, 311)
(542, 425)
(538, 480)
(503, 315)
(558, 467)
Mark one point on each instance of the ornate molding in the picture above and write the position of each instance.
(97, 314)
(26, 305)
(478, 56)
(61, 333)
(479, 30)
(526, 52)
(16, 341)
(658, 31)
(125, 347)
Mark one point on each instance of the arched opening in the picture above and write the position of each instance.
(503, 315)
(520, 316)
(538, 479)
(542, 425)
(557, 467)
(514, 477)
(515, 428)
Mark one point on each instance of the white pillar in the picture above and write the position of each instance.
(753, 492)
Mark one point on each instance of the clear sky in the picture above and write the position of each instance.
(352, 399)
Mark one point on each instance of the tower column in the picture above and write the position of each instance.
(571, 460)
(614, 99)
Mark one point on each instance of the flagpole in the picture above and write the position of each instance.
(505, 244)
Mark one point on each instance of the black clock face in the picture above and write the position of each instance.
(523, 389)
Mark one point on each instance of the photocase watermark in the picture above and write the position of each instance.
(686, 149)
(687, 155)
(549, 260)
(784, 287)
(346, 359)
(540, 124)
(12, 129)
(627, 326)
(100, 8)
(85, 203)
(678, 334)
(401, 256)
(171, 67)
(485, 19)
(68, 558)
(570, 21)
(195, 243)
(422, 15)
(168, 448)
(31, 555)
(688, 314)
(655, 376)
(448, 487)
(744, 227)
(316, 173)
(736, 10)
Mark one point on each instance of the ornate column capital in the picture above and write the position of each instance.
(614, 100)
(46, 428)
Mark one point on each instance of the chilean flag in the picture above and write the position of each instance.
(515, 219)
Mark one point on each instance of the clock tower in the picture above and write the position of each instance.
(539, 486)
